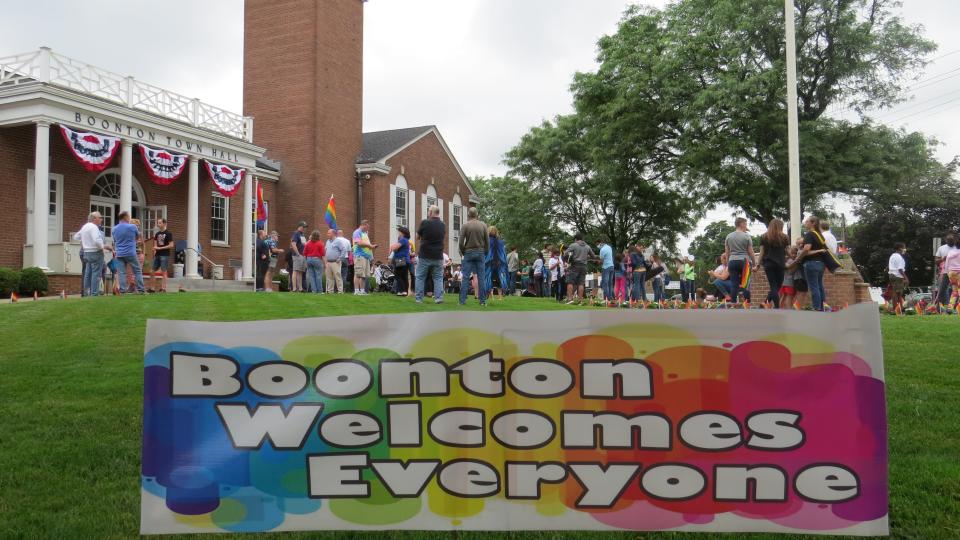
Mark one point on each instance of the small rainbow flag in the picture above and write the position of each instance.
(261, 205)
(331, 216)
(745, 278)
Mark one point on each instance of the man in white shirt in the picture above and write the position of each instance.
(92, 247)
(828, 236)
(897, 270)
(943, 280)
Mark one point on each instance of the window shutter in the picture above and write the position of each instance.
(452, 249)
(412, 221)
(393, 214)
(423, 205)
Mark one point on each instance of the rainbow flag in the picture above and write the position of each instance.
(745, 278)
(331, 216)
(261, 205)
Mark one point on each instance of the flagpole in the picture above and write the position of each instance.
(793, 131)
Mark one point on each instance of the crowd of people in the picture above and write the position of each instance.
(418, 266)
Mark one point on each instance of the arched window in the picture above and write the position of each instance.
(456, 220)
(431, 195)
(400, 207)
(105, 198)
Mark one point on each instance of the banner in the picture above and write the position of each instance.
(162, 166)
(92, 150)
(226, 180)
(695, 420)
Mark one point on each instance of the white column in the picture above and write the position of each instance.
(793, 134)
(126, 177)
(193, 219)
(41, 195)
(247, 224)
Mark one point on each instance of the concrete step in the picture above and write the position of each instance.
(208, 285)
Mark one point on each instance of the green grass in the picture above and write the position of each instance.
(70, 413)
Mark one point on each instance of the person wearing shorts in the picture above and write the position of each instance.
(580, 253)
(162, 250)
(362, 258)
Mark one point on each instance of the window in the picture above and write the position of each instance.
(105, 198)
(431, 196)
(150, 217)
(53, 197)
(219, 219)
(401, 207)
(457, 212)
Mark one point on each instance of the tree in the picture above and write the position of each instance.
(523, 217)
(702, 84)
(914, 213)
(599, 191)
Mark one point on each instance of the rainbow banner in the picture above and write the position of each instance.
(699, 420)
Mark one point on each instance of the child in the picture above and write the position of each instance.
(793, 282)
(620, 280)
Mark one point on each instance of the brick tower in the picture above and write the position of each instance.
(303, 84)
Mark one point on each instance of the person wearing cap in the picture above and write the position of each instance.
(273, 243)
(297, 243)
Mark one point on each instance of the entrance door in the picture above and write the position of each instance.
(106, 208)
(54, 210)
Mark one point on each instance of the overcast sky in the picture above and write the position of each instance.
(483, 71)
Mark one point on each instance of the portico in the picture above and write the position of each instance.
(41, 91)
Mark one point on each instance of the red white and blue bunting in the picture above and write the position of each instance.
(162, 166)
(92, 150)
(226, 180)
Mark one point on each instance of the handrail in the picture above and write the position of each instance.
(48, 67)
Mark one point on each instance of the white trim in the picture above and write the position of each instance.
(226, 220)
(29, 208)
(377, 168)
(443, 144)
(392, 236)
(40, 102)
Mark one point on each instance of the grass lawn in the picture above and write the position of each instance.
(70, 412)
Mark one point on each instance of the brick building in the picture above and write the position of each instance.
(303, 81)
(42, 91)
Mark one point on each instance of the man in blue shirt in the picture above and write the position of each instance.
(606, 270)
(125, 250)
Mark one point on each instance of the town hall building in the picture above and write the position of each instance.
(110, 143)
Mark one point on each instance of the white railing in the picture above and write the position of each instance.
(48, 67)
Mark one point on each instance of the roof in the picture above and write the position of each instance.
(377, 145)
(268, 164)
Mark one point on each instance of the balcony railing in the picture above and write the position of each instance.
(49, 67)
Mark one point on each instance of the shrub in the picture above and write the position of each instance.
(9, 282)
(33, 279)
(284, 280)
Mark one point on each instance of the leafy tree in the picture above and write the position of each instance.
(914, 213)
(699, 88)
(523, 217)
(617, 197)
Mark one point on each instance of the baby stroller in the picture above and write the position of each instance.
(385, 277)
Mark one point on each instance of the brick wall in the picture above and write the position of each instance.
(845, 286)
(303, 84)
(17, 147)
(423, 162)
